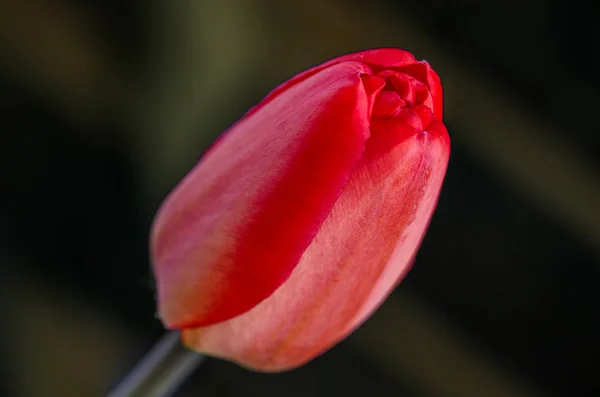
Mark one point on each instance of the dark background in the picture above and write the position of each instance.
(106, 104)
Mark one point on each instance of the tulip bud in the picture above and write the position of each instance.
(300, 220)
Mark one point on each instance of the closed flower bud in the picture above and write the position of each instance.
(301, 219)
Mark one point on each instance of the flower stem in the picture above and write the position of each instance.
(161, 372)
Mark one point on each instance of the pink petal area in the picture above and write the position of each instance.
(362, 250)
(232, 232)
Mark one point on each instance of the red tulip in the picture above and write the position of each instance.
(301, 219)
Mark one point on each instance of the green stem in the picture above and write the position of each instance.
(161, 372)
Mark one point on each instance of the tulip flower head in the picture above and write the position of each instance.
(301, 219)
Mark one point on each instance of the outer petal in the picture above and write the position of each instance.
(234, 229)
(362, 250)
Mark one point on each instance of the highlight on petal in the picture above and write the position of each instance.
(361, 251)
(232, 232)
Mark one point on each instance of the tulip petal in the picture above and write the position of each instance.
(377, 59)
(362, 250)
(234, 229)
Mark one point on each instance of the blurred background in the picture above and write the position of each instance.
(105, 105)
